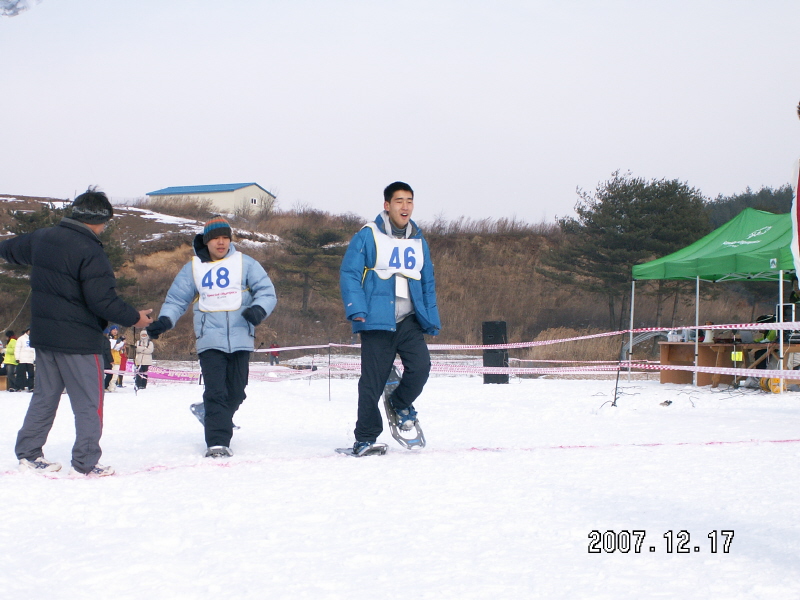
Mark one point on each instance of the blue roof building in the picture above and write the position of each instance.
(226, 197)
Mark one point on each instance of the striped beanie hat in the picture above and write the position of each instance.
(216, 227)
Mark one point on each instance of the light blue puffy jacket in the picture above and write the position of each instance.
(225, 330)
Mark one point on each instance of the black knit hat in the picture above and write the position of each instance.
(92, 207)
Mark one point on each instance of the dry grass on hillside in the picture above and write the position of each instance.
(167, 259)
(604, 348)
(191, 207)
(494, 278)
(281, 223)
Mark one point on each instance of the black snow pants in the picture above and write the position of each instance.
(225, 377)
(378, 349)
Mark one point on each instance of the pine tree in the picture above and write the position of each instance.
(315, 257)
(625, 221)
(28, 221)
(724, 208)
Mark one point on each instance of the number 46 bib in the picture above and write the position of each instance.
(219, 283)
(396, 256)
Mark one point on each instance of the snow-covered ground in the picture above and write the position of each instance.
(161, 217)
(501, 504)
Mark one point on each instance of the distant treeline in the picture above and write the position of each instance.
(724, 208)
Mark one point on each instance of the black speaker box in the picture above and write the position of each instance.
(494, 332)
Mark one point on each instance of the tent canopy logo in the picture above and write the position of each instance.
(749, 240)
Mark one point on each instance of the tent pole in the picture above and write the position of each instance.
(780, 333)
(696, 325)
(630, 345)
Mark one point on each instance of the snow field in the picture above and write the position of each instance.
(499, 505)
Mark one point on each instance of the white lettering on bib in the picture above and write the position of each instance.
(395, 256)
(219, 283)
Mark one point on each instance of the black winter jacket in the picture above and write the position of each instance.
(73, 288)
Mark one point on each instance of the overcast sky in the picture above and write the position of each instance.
(490, 108)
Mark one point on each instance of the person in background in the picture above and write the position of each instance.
(764, 336)
(26, 357)
(114, 343)
(794, 294)
(123, 359)
(232, 294)
(143, 358)
(10, 362)
(73, 297)
(274, 357)
(108, 365)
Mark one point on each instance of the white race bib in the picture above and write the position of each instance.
(219, 283)
(395, 256)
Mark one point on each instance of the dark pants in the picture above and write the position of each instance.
(24, 376)
(141, 376)
(225, 377)
(82, 376)
(11, 377)
(378, 349)
(758, 354)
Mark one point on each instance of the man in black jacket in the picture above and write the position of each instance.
(73, 299)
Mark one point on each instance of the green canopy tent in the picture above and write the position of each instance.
(754, 245)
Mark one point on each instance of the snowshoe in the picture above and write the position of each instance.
(401, 423)
(218, 452)
(360, 449)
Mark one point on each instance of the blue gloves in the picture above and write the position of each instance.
(158, 327)
(253, 314)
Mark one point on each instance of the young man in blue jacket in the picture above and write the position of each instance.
(389, 295)
(233, 294)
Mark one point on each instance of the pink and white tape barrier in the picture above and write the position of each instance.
(583, 367)
(788, 325)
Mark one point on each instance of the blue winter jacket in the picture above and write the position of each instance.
(366, 295)
(224, 330)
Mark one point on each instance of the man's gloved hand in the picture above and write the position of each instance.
(254, 314)
(156, 328)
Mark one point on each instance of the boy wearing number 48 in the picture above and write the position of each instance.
(389, 295)
(233, 294)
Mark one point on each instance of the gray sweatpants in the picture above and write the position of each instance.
(82, 376)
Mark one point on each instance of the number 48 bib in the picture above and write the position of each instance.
(219, 283)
